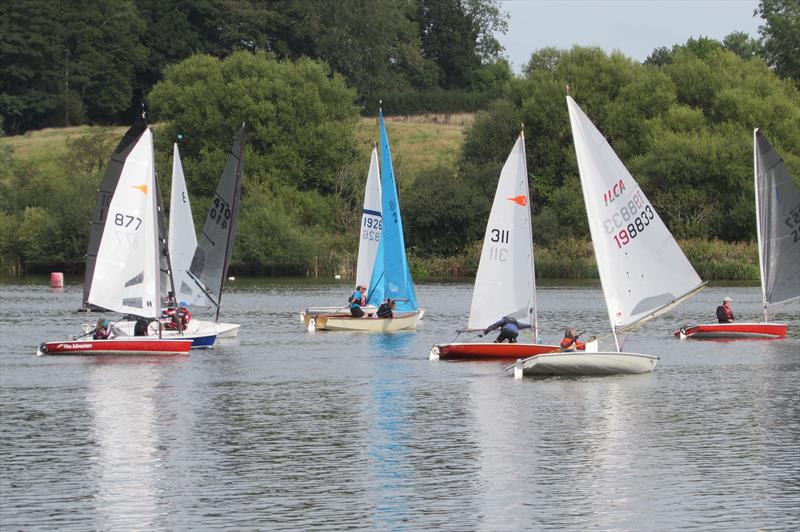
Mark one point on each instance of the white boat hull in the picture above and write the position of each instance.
(313, 312)
(401, 322)
(577, 363)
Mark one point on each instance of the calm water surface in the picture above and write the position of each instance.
(282, 429)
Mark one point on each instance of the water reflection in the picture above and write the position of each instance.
(120, 398)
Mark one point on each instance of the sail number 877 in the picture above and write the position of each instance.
(126, 220)
(637, 225)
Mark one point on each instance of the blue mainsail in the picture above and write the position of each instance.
(390, 276)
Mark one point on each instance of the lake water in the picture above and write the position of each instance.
(283, 429)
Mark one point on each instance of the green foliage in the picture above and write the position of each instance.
(300, 121)
(682, 124)
(443, 214)
(781, 36)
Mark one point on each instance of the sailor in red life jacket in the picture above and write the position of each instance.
(724, 312)
(180, 317)
(570, 341)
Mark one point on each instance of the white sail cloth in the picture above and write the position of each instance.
(504, 285)
(641, 267)
(126, 274)
(371, 223)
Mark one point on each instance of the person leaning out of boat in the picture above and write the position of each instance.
(509, 329)
(102, 331)
(724, 312)
(386, 310)
(358, 300)
(570, 341)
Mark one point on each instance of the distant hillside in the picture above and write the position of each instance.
(418, 141)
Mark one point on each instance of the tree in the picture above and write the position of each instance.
(781, 36)
(742, 45)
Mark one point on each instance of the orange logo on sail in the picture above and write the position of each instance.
(143, 188)
(519, 200)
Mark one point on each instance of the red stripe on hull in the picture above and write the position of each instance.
(492, 351)
(117, 347)
(734, 330)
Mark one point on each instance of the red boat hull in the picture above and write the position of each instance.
(491, 351)
(733, 330)
(117, 346)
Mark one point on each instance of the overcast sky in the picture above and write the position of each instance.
(635, 27)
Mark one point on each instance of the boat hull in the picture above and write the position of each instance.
(200, 338)
(733, 330)
(313, 312)
(585, 364)
(339, 322)
(222, 330)
(117, 346)
(488, 351)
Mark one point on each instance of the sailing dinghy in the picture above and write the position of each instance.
(778, 229)
(371, 226)
(391, 277)
(505, 284)
(200, 270)
(642, 270)
(126, 273)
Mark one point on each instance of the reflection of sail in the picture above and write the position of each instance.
(126, 450)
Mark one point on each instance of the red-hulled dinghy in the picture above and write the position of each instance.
(505, 284)
(117, 346)
(733, 330)
(489, 351)
(778, 229)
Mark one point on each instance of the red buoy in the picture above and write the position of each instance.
(56, 280)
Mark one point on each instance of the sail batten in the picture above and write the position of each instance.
(637, 258)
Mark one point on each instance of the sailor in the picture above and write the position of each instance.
(509, 329)
(102, 330)
(386, 309)
(357, 300)
(570, 341)
(724, 312)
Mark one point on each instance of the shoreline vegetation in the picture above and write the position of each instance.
(420, 142)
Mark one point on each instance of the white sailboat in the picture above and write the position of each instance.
(778, 229)
(505, 284)
(370, 236)
(642, 270)
(126, 273)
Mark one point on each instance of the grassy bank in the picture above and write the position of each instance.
(714, 260)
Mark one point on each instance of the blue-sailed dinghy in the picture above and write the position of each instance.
(391, 278)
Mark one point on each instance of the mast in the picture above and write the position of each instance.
(533, 310)
(162, 235)
(756, 193)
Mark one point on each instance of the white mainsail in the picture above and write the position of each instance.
(778, 225)
(505, 285)
(182, 239)
(371, 223)
(126, 274)
(642, 270)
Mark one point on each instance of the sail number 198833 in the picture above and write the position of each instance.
(630, 220)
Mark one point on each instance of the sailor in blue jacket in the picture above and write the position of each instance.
(509, 329)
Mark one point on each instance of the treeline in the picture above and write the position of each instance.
(70, 62)
(681, 122)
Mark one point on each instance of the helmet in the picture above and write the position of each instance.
(183, 304)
